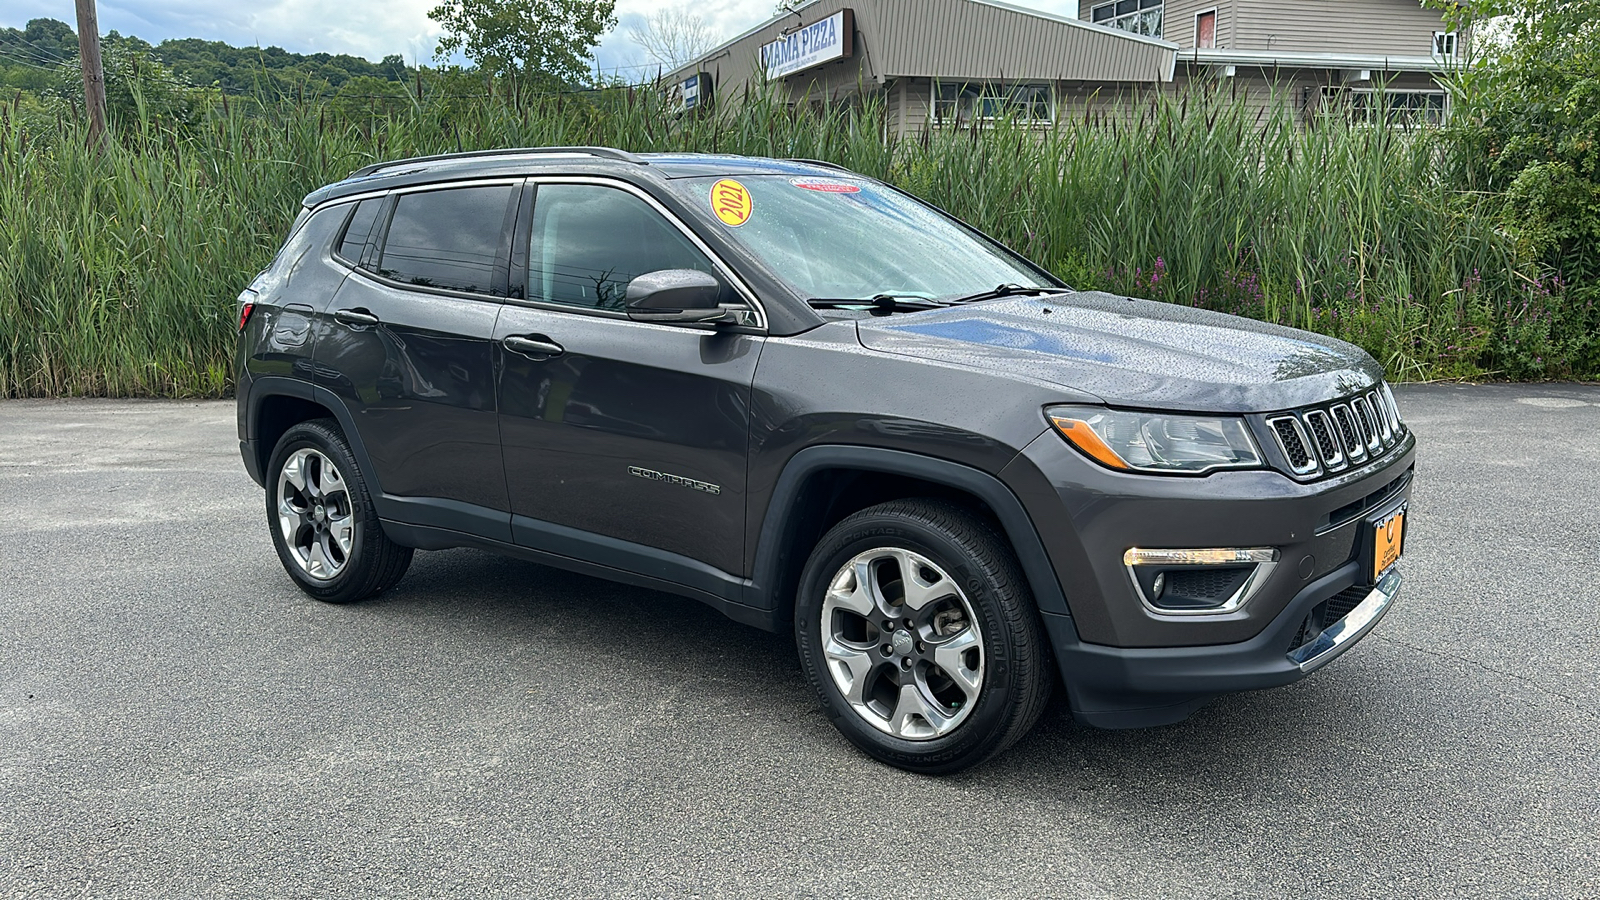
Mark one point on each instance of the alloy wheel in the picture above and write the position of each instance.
(315, 514)
(902, 644)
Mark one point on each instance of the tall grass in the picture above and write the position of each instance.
(118, 267)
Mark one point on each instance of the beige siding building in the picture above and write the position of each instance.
(937, 63)
(1370, 57)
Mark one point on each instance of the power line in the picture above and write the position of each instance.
(26, 59)
(18, 38)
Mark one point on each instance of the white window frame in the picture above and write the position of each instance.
(1451, 44)
(1212, 12)
(941, 116)
(1131, 21)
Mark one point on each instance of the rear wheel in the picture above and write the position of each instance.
(322, 521)
(917, 629)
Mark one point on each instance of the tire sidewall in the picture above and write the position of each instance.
(319, 437)
(986, 724)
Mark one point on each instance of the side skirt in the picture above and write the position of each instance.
(638, 560)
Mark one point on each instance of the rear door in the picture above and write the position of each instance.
(619, 429)
(406, 345)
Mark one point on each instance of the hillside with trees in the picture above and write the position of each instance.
(28, 56)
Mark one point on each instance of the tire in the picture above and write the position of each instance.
(937, 678)
(322, 521)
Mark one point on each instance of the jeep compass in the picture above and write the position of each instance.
(818, 404)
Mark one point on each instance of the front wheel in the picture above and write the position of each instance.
(917, 629)
(322, 521)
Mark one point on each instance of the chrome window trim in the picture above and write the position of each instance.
(1313, 455)
(370, 275)
(727, 271)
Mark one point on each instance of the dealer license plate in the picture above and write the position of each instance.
(1388, 536)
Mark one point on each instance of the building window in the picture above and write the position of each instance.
(1137, 16)
(1205, 30)
(962, 104)
(1375, 106)
(1444, 44)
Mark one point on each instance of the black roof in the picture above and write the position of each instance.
(530, 160)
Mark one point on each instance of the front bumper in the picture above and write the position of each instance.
(1121, 687)
(1128, 665)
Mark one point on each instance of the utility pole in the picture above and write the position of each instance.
(94, 75)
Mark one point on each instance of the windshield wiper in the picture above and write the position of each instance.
(1006, 290)
(879, 303)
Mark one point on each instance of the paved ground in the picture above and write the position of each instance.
(176, 720)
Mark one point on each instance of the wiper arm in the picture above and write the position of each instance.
(879, 303)
(1006, 290)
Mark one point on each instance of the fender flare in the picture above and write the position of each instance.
(279, 386)
(778, 524)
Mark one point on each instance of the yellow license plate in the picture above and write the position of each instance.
(1388, 537)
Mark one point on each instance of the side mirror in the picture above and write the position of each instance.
(675, 295)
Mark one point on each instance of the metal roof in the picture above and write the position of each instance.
(957, 39)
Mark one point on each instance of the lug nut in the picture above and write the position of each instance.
(905, 662)
(888, 650)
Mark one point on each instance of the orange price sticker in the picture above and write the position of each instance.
(732, 203)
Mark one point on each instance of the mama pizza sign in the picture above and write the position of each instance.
(820, 42)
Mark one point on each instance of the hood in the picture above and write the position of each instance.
(1136, 353)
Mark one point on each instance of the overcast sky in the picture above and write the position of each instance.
(368, 28)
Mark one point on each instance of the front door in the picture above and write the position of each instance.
(615, 429)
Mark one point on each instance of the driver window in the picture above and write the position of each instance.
(589, 241)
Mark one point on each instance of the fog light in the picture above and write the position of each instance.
(1198, 582)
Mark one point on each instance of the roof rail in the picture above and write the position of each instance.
(823, 163)
(602, 152)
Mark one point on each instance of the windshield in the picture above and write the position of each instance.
(838, 237)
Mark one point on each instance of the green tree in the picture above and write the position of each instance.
(1526, 123)
(549, 41)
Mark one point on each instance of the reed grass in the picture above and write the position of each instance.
(118, 267)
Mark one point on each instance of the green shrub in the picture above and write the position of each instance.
(118, 269)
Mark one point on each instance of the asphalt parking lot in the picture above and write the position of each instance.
(177, 720)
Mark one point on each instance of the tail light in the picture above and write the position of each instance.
(247, 305)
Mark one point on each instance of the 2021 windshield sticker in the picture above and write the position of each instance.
(826, 185)
(732, 203)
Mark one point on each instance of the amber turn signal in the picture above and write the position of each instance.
(1084, 438)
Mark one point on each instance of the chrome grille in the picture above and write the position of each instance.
(1329, 438)
(1380, 418)
(1327, 446)
(1296, 447)
(1349, 438)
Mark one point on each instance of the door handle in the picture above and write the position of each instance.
(533, 345)
(356, 316)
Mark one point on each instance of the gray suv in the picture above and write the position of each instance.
(816, 403)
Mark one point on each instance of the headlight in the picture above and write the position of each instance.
(1157, 442)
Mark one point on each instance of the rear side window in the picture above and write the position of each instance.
(354, 242)
(452, 239)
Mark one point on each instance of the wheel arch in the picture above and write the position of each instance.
(805, 503)
(278, 404)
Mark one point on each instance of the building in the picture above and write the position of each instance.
(951, 62)
(1309, 54)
